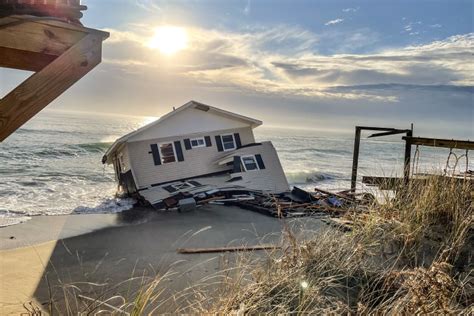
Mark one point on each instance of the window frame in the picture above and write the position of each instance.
(161, 153)
(233, 141)
(254, 159)
(179, 186)
(197, 139)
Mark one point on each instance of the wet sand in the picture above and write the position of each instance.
(116, 247)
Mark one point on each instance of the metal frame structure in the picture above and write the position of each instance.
(382, 131)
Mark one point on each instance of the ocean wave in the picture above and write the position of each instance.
(110, 205)
(316, 151)
(71, 150)
(8, 218)
(95, 147)
(301, 177)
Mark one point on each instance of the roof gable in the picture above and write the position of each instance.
(192, 117)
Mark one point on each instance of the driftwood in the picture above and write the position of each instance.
(334, 194)
(226, 249)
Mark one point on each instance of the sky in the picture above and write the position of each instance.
(300, 64)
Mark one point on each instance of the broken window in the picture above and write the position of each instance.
(228, 142)
(198, 142)
(250, 163)
(182, 186)
(167, 153)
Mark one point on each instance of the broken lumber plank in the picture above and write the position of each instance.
(215, 198)
(334, 194)
(227, 249)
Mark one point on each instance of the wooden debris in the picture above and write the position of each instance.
(226, 249)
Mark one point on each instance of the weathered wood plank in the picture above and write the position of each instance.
(41, 88)
(24, 60)
(38, 37)
(227, 249)
(437, 142)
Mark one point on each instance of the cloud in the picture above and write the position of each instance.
(350, 9)
(410, 27)
(333, 22)
(148, 5)
(247, 8)
(436, 25)
(283, 61)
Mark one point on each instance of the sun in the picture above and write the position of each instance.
(169, 39)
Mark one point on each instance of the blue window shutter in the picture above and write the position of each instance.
(179, 150)
(208, 141)
(156, 154)
(237, 165)
(187, 144)
(219, 143)
(260, 163)
(238, 144)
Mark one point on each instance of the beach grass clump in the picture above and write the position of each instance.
(408, 255)
(423, 219)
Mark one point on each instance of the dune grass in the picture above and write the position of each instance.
(411, 254)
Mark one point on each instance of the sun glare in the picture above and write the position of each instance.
(169, 39)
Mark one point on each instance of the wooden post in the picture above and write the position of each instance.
(355, 159)
(406, 167)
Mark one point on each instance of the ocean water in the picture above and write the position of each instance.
(52, 165)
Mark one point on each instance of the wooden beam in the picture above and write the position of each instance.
(355, 158)
(226, 249)
(406, 162)
(24, 60)
(394, 132)
(36, 92)
(38, 37)
(437, 142)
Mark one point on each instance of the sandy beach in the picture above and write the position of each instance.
(50, 251)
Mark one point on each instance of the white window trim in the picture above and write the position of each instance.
(249, 156)
(161, 154)
(198, 138)
(190, 185)
(233, 140)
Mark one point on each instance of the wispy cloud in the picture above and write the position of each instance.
(247, 8)
(350, 9)
(411, 26)
(335, 21)
(436, 25)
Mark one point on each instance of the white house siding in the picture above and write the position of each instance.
(197, 161)
(272, 178)
(189, 121)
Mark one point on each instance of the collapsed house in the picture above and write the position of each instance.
(194, 151)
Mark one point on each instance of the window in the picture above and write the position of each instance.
(198, 142)
(182, 186)
(167, 153)
(228, 142)
(250, 163)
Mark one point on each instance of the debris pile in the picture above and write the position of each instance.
(296, 203)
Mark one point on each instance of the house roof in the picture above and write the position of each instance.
(191, 104)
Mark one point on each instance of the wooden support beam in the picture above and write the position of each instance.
(355, 159)
(36, 92)
(392, 132)
(24, 60)
(443, 143)
(406, 165)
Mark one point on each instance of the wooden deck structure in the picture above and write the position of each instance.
(389, 183)
(57, 48)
